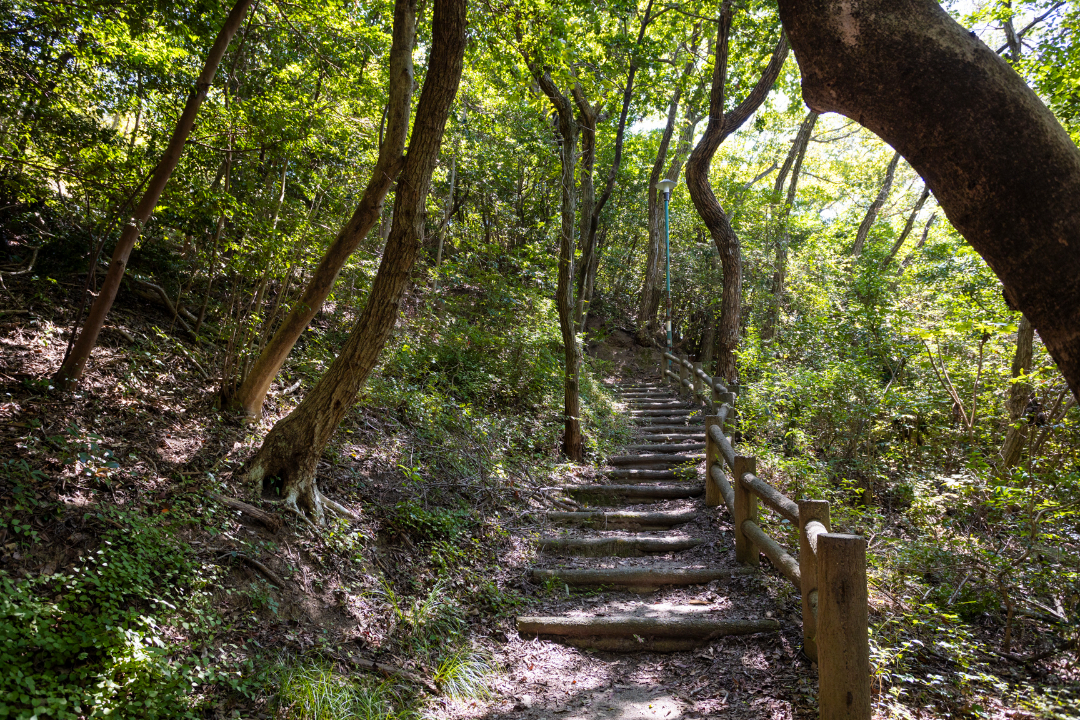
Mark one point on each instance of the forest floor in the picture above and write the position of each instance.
(141, 437)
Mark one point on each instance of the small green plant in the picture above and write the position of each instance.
(24, 504)
(463, 672)
(92, 643)
(313, 691)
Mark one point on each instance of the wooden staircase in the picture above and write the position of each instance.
(665, 576)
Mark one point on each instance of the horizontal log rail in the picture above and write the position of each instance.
(829, 570)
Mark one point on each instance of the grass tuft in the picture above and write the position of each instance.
(463, 674)
(313, 691)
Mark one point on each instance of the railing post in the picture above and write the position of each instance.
(682, 374)
(663, 368)
(746, 508)
(729, 422)
(698, 385)
(712, 454)
(810, 510)
(842, 637)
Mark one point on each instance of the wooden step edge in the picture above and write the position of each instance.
(616, 547)
(637, 492)
(637, 577)
(624, 519)
(655, 459)
(697, 626)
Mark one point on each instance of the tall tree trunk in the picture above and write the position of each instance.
(564, 293)
(75, 364)
(1019, 394)
(651, 289)
(590, 277)
(651, 285)
(908, 72)
(793, 164)
(588, 237)
(907, 228)
(293, 447)
(445, 223)
(251, 393)
(588, 118)
(697, 182)
(875, 207)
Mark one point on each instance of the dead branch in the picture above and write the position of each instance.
(389, 670)
(269, 521)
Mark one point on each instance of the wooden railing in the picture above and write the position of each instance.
(830, 572)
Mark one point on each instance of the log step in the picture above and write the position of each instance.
(667, 623)
(641, 474)
(618, 546)
(658, 424)
(623, 519)
(651, 460)
(644, 493)
(640, 577)
(673, 412)
(666, 448)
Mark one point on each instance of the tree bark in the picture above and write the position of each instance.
(1019, 394)
(908, 72)
(793, 164)
(250, 395)
(75, 364)
(697, 182)
(564, 292)
(588, 118)
(875, 207)
(293, 447)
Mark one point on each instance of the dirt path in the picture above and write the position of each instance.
(645, 612)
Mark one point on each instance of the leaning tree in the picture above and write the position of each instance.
(1001, 166)
(289, 454)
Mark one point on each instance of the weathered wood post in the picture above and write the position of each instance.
(842, 637)
(712, 455)
(746, 508)
(810, 510)
(729, 421)
(699, 387)
(683, 375)
(663, 368)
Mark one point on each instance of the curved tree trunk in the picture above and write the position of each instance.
(293, 447)
(75, 363)
(697, 182)
(946, 102)
(251, 393)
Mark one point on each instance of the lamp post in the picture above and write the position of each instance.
(665, 186)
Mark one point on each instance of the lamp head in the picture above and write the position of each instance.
(665, 186)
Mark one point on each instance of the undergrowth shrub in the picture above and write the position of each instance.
(92, 643)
